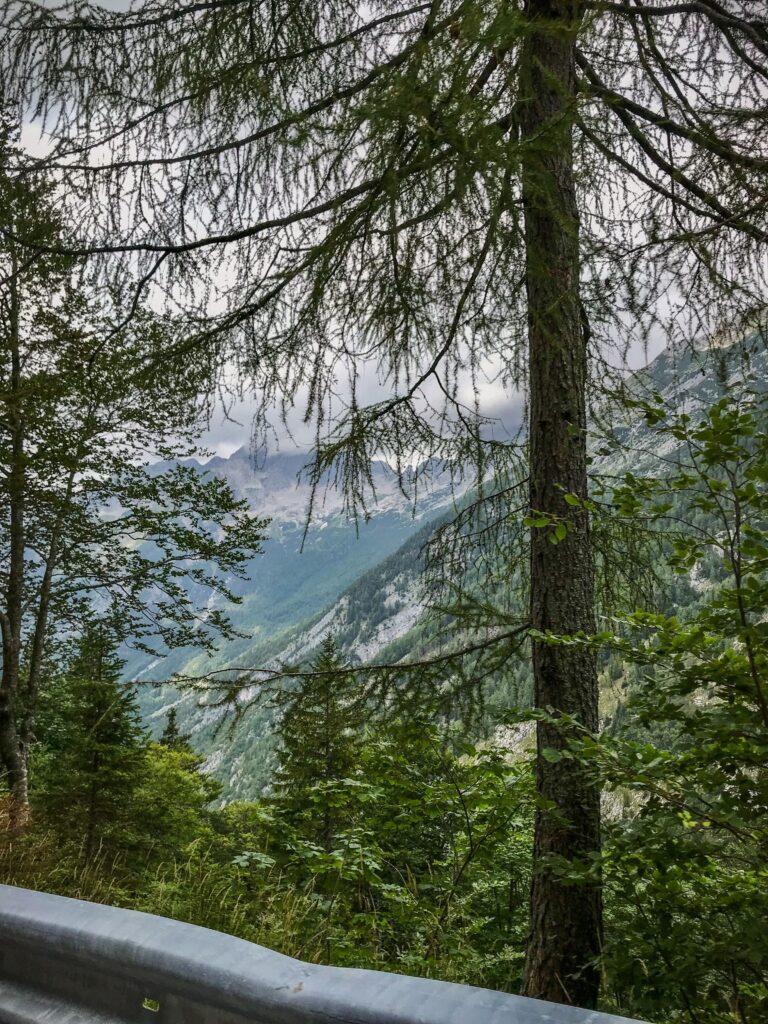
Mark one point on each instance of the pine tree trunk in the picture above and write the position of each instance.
(565, 930)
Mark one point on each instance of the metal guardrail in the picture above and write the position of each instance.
(64, 961)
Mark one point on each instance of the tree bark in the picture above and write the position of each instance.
(40, 632)
(15, 813)
(565, 930)
(12, 753)
(93, 795)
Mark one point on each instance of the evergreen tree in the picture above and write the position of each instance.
(172, 737)
(502, 184)
(320, 736)
(95, 757)
(98, 780)
(172, 807)
(80, 420)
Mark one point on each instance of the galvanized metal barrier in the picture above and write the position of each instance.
(64, 961)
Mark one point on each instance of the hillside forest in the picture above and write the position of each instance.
(455, 663)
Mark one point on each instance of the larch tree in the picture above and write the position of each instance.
(451, 191)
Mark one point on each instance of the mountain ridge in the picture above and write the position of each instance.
(379, 611)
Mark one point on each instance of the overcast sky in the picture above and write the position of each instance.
(231, 422)
(231, 430)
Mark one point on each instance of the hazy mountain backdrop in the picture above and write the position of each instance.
(361, 582)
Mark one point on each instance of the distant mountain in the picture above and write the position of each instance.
(296, 576)
(277, 487)
(366, 588)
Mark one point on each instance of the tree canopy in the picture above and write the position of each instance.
(449, 191)
(86, 528)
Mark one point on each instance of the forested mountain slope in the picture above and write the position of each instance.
(369, 591)
(290, 583)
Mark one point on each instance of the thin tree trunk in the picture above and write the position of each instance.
(565, 933)
(15, 814)
(12, 753)
(93, 794)
(39, 634)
